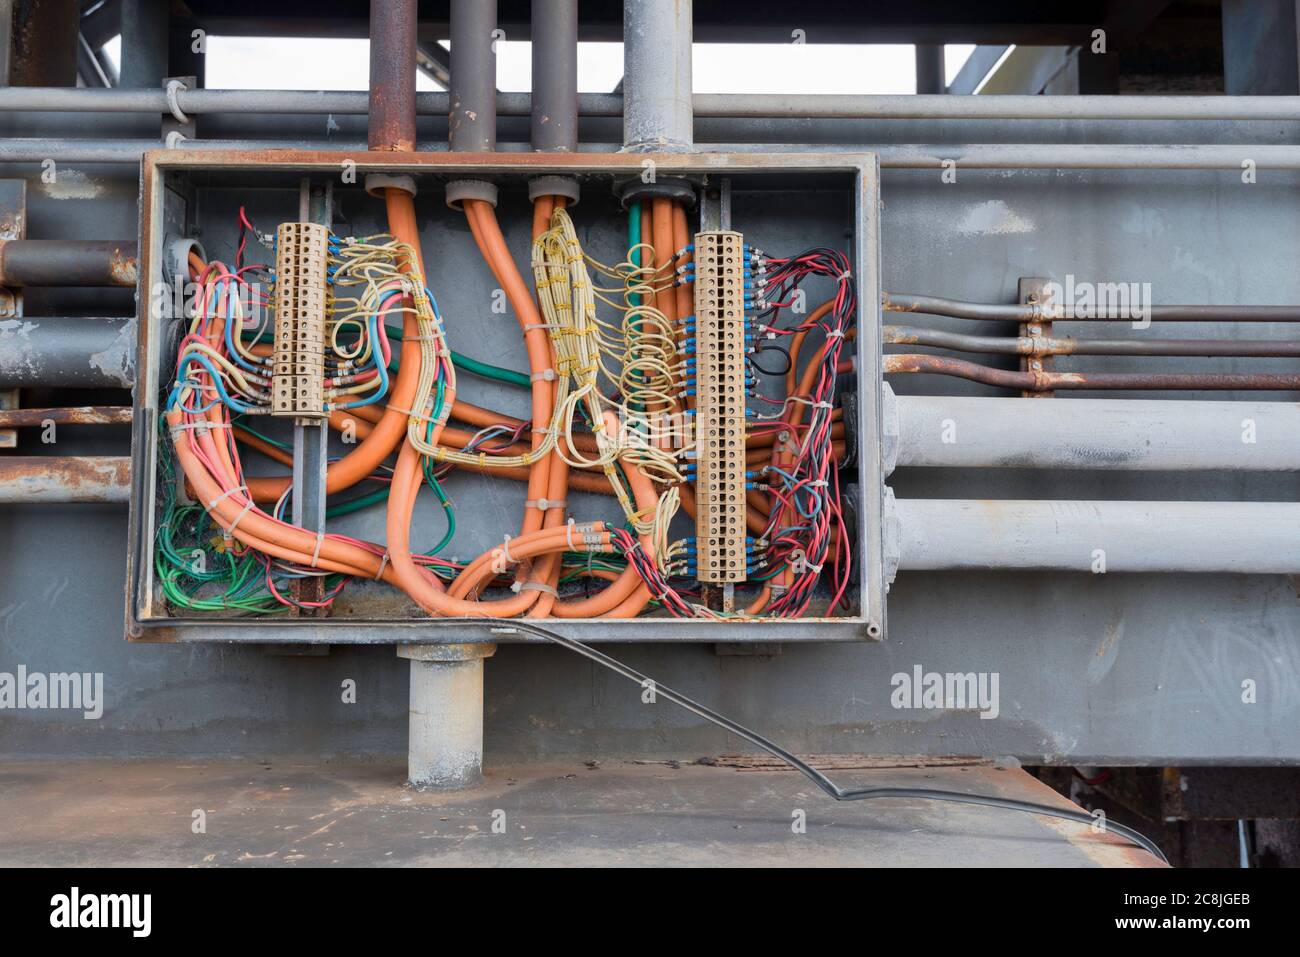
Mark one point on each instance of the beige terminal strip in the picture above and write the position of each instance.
(300, 302)
(720, 406)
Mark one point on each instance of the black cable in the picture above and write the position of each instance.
(752, 358)
(808, 771)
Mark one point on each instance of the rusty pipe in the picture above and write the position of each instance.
(1069, 345)
(393, 32)
(30, 479)
(1029, 312)
(1046, 381)
(68, 262)
(71, 415)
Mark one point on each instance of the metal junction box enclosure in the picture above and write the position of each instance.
(186, 204)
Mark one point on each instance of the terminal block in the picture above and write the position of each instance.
(720, 406)
(297, 389)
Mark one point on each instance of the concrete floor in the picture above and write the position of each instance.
(143, 813)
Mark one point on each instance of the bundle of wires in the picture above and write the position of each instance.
(807, 518)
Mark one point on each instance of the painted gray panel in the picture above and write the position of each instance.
(1092, 669)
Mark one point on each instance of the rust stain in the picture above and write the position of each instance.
(67, 478)
(123, 266)
(72, 415)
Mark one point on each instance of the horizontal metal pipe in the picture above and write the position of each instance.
(69, 415)
(1014, 312)
(67, 353)
(67, 262)
(1040, 381)
(1093, 434)
(1098, 537)
(30, 479)
(1013, 156)
(302, 102)
(748, 105)
(1002, 107)
(1071, 346)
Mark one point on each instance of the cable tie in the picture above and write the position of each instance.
(225, 495)
(315, 552)
(569, 533)
(542, 504)
(546, 375)
(835, 334)
(173, 104)
(505, 550)
(535, 586)
(230, 530)
(383, 564)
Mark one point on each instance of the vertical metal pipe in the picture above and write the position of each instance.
(657, 110)
(473, 117)
(555, 76)
(930, 75)
(146, 43)
(393, 33)
(6, 39)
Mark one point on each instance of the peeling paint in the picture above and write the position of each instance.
(118, 360)
(994, 218)
(73, 184)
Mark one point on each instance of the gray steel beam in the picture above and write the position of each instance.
(1099, 537)
(93, 67)
(977, 66)
(1095, 434)
(658, 107)
(433, 60)
(1260, 43)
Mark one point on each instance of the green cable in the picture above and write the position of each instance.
(472, 366)
(634, 235)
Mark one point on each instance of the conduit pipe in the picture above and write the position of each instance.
(1270, 156)
(658, 112)
(1094, 434)
(68, 262)
(1096, 537)
(729, 105)
(472, 112)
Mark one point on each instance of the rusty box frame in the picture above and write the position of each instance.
(144, 622)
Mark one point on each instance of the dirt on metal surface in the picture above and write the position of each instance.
(305, 813)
